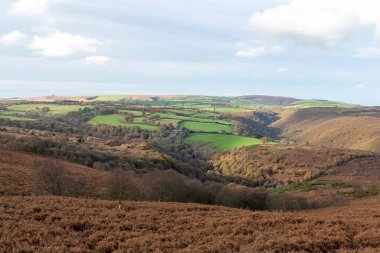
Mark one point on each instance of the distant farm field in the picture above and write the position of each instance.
(53, 109)
(110, 98)
(192, 118)
(12, 117)
(118, 120)
(135, 113)
(206, 127)
(218, 108)
(224, 141)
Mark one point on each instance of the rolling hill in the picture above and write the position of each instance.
(341, 128)
(271, 100)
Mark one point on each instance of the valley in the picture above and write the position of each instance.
(257, 153)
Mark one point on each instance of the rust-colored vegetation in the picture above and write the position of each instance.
(341, 128)
(58, 224)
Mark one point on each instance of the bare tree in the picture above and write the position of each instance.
(165, 186)
(123, 186)
(50, 177)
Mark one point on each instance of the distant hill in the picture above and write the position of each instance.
(341, 128)
(316, 103)
(247, 101)
(271, 100)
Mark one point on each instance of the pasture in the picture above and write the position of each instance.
(54, 109)
(118, 120)
(110, 98)
(192, 118)
(219, 109)
(223, 141)
(206, 127)
(135, 113)
(13, 117)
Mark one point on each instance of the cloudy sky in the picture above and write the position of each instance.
(328, 49)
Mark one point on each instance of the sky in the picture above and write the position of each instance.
(322, 49)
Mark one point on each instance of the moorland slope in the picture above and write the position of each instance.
(46, 224)
(351, 129)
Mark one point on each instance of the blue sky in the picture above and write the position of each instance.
(328, 49)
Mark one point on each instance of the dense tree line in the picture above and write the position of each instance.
(170, 186)
(52, 178)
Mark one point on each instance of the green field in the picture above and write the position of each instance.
(53, 108)
(12, 117)
(204, 115)
(118, 120)
(219, 109)
(206, 127)
(178, 111)
(110, 98)
(223, 141)
(186, 118)
(135, 113)
(321, 104)
(174, 122)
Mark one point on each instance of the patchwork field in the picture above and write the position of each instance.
(13, 117)
(54, 109)
(206, 127)
(223, 141)
(206, 107)
(118, 120)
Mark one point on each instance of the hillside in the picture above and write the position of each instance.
(352, 129)
(17, 171)
(84, 225)
(306, 170)
(271, 100)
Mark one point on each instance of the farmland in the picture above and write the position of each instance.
(54, 109)
(206, 127)
(118, 120)
(224, 141)
(208, 161)
(12, 117)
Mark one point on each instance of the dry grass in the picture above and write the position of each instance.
(17, 171)
(353, 129)
(57, 224)
(298, 164)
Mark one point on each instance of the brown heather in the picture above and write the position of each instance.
(340, 128)
(59, 224)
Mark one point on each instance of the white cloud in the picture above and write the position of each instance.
(96, 60)
(11, 38)
(59, 44)
(281, 70)
(29, 7)
(367, 53)
(256, 49)
(323, 22)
